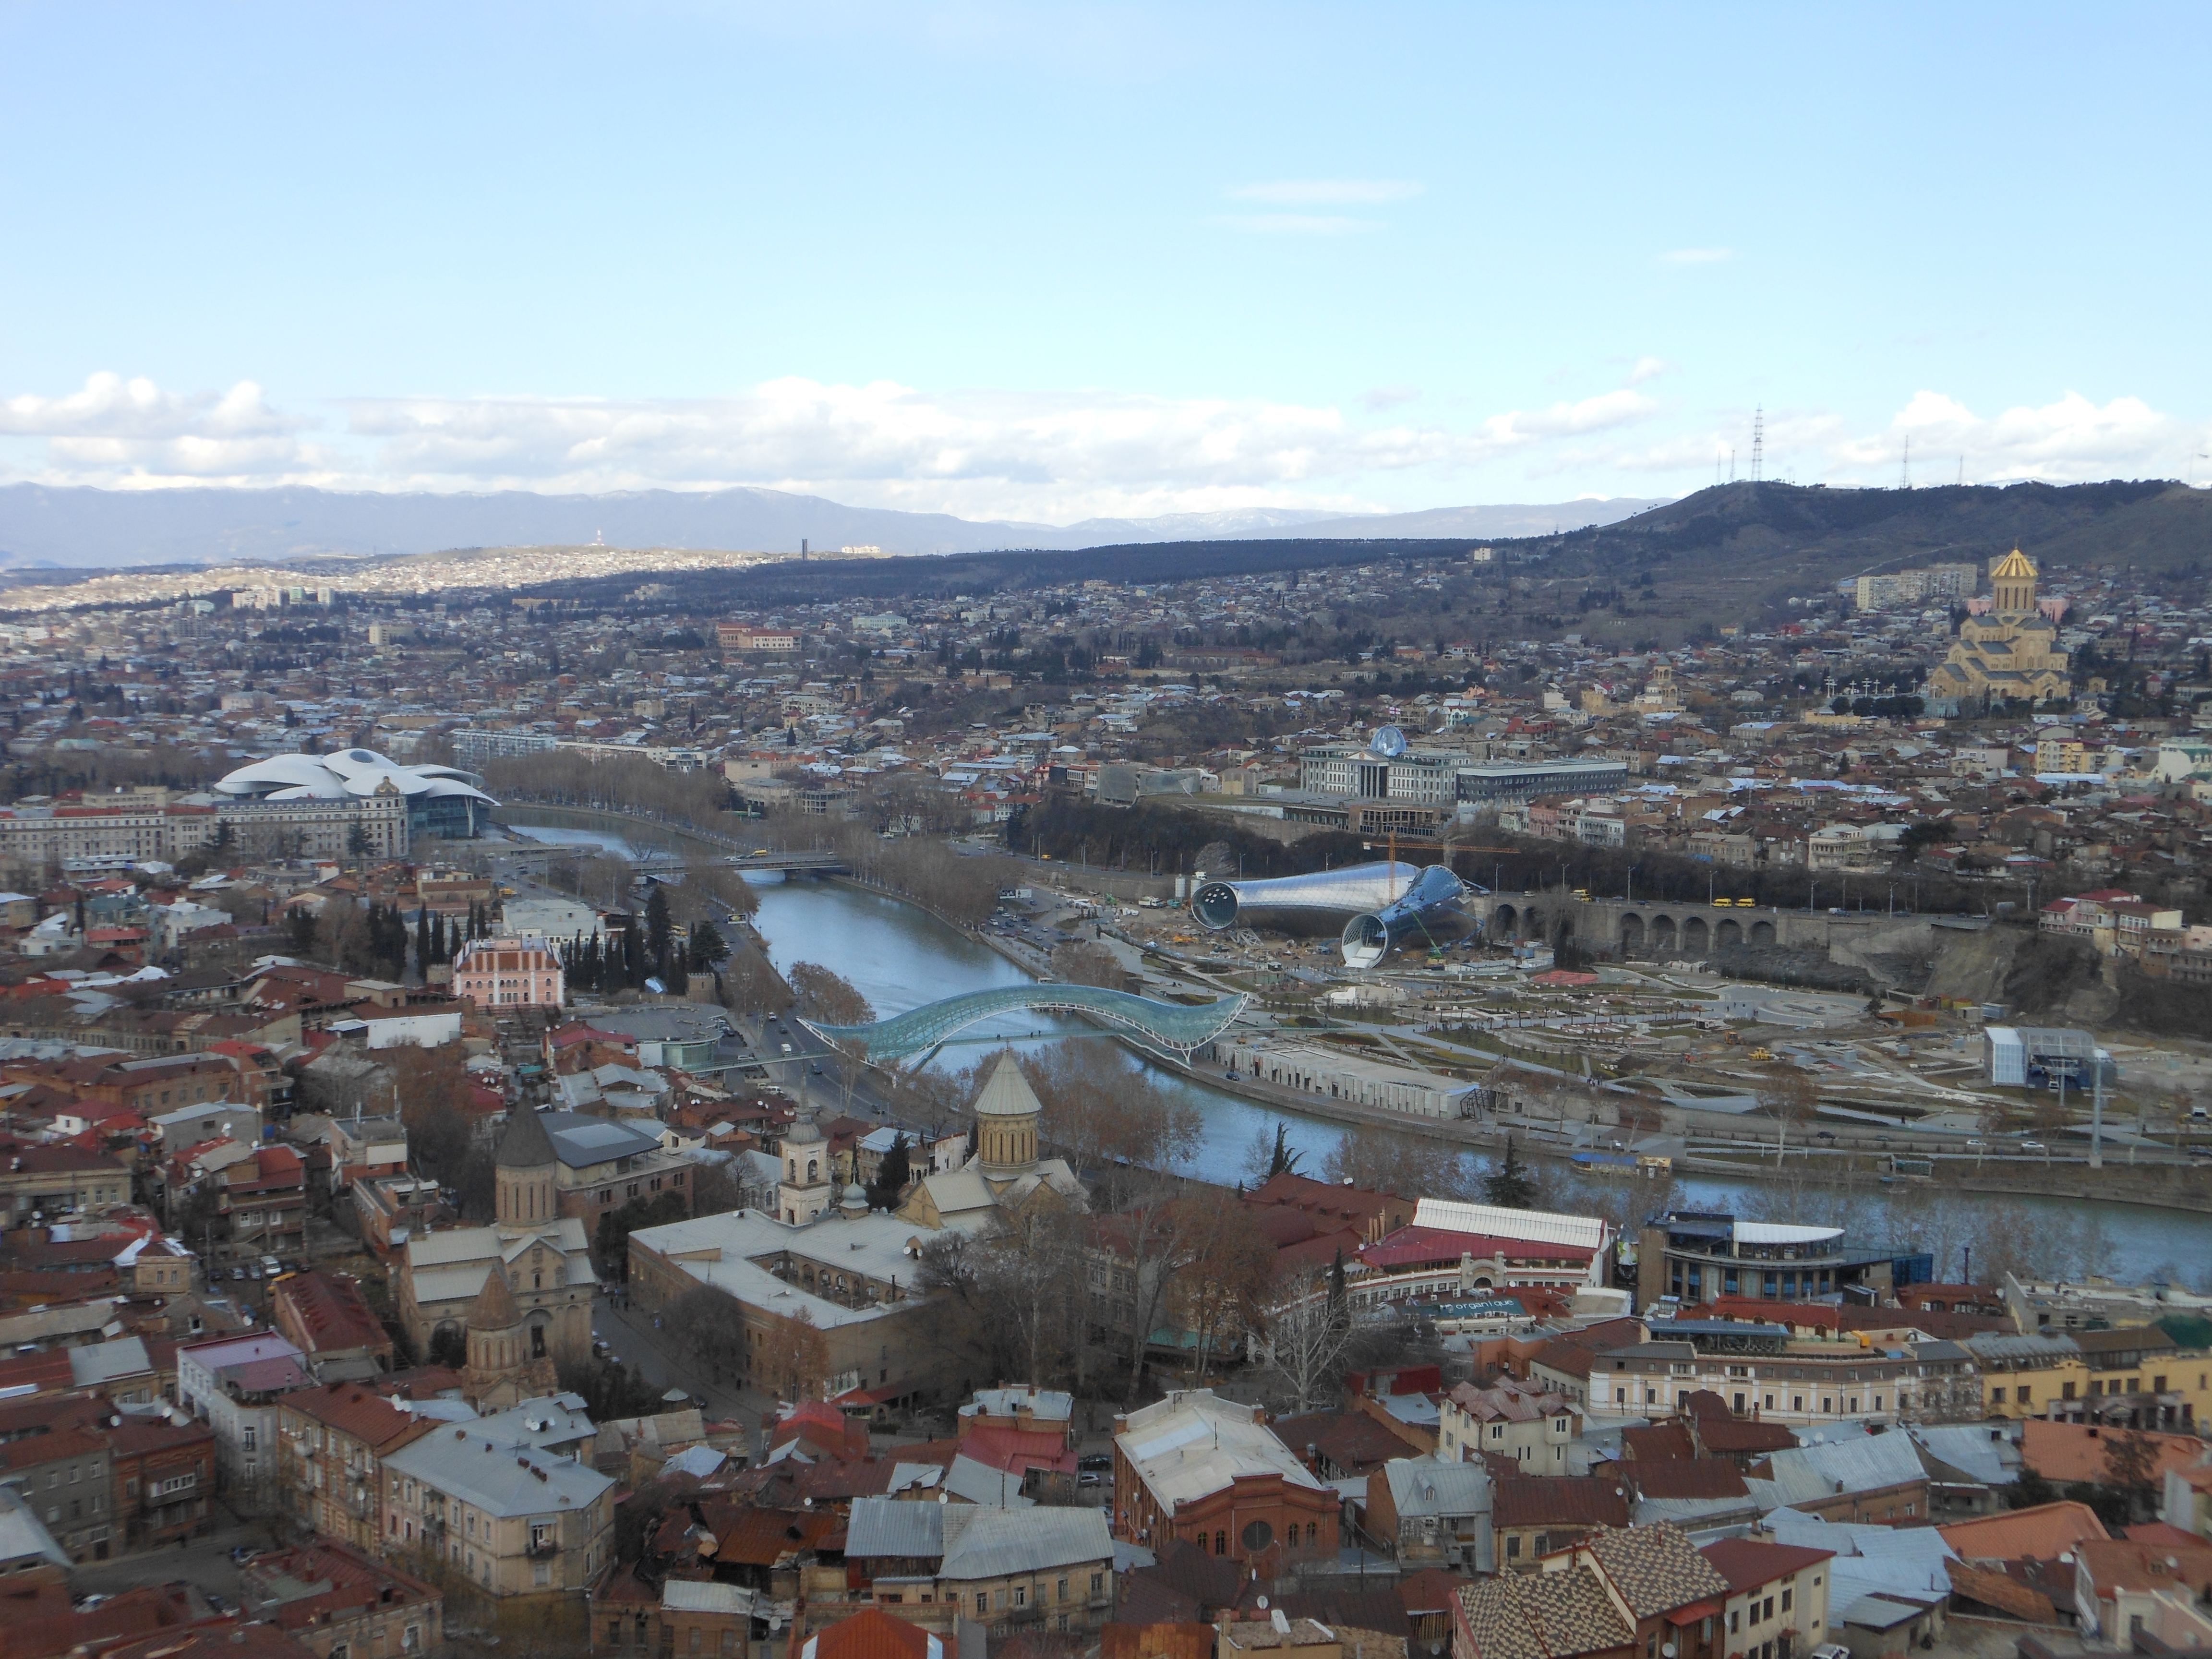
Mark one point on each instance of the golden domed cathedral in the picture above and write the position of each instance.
(2011, 651)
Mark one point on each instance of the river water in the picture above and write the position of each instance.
(899, 957)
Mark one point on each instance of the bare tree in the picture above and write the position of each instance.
(1385, 1161)
(751, 984)
(1107, 1115)
(1310, 1327)
(1220, 1292)
(794, 1357)
(1151, 1240)
(1791, 1099)
(711, 1326)
(827, 996)
(1086, 962)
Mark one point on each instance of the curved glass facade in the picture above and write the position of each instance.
(1171, 1025)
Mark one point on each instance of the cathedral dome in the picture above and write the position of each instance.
(1007, 1094)
(855, 1202)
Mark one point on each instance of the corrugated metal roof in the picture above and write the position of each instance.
(1807, 1473)
(898, 1528)
(1422, 1487)
(691, 1596)
(1537, 1225)
(988, 1543)
(1971, 1449)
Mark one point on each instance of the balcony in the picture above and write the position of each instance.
(542, 1549)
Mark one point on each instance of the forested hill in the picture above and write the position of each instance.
(2157, 526)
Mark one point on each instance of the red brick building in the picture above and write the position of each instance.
(1210, 1473)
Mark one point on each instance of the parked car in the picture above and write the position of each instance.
(271, 1267)
(1099, 1460)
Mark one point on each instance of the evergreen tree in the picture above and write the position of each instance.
(891, 1177)
(657, 931)
(1285, 1159)
(706, 945)
(1510, 1186)
(422, 956)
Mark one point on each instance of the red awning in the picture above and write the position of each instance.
(1695, 1611)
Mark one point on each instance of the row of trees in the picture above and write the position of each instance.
(368, 940)
(564, 778)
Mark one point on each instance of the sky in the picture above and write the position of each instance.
(1054, 262)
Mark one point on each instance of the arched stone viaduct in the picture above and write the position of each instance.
(1663, 930)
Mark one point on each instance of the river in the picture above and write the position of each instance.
(899, 957)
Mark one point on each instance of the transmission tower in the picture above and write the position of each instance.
(1731, 465)
(1905, 466)
(1758, 443)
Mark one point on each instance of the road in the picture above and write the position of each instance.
(204, 1563)
(632, 1334)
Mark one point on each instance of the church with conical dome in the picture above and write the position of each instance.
(1006, 1178)
(518, 1294)
(2009, 650)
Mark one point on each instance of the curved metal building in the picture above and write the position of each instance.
(1429, 907)
(1319, 902)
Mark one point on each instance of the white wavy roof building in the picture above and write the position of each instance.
(345, 773)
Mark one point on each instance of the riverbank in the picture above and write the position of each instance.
(2165, 1189)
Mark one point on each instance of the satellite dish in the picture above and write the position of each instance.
(1388, 740)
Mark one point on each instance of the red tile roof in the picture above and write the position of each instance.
(1418, 1246)
(1568, 1500)
(1746, 1562)
(871, 1634)
(351, 1409)
(2045, 1531)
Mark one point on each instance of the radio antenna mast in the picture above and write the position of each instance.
(1904, 467)
(1758, 443)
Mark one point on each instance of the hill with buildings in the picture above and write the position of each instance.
(42, 526)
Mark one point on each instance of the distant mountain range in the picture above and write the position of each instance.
(42, 526)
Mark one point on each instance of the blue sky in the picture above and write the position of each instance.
(1051, 262)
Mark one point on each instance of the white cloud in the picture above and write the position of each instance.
(1697, 256)
(1294, 193)
(996, 454)
(1295, 224)
(2068, 440)
(134, 429)
(1051, 457)
(1648, 369)
(1607, 409)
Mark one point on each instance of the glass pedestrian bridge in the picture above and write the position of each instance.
(1174, 1026)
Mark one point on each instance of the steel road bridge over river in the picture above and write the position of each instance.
(1178, 1027)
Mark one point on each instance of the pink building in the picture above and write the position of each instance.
(508, 973)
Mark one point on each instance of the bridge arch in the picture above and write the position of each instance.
(1170, 1024)
(1762, 932)
(1632, 934)
(1662, 935)
(1502, 919)
(1728, 935)
(1694, 934)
